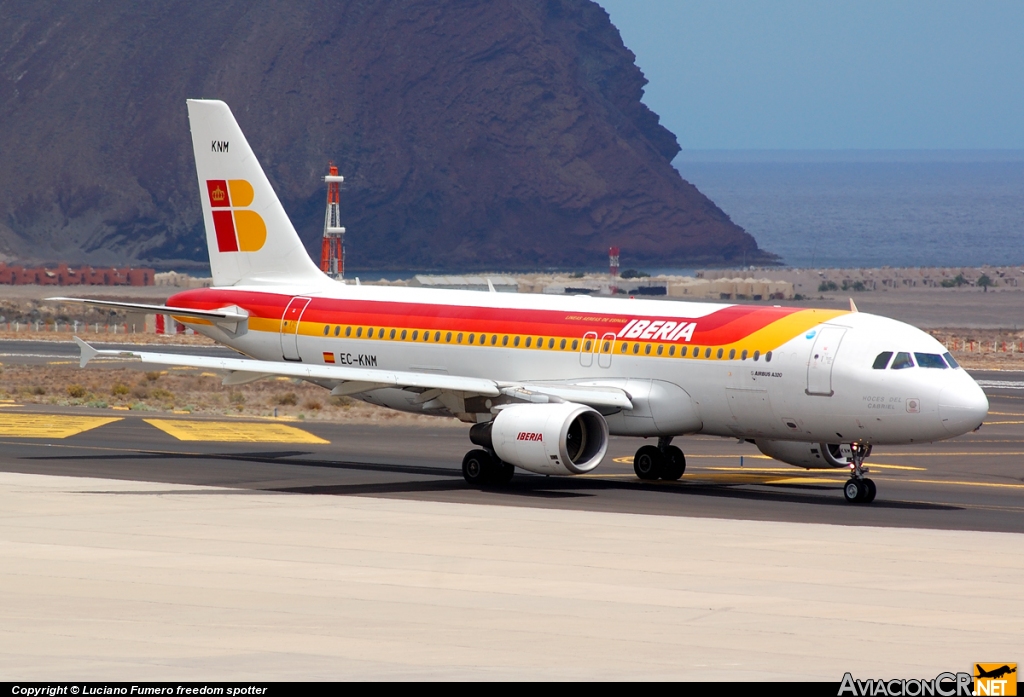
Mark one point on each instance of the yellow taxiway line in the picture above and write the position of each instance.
(50, 425)
(233, 432)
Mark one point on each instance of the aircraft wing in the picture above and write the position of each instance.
(356, 380)
(229, 315)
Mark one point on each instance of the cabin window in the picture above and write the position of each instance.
(561, 345)
(437, 336)
(882, 360)
(415, 334)
(902, 360)
(380, 334)
(337, 330)
(504, 340)
(636, 348)
(930, 360)
(576, 343)
(647, 349)
(719, 355)
(551, 343)
(660, 349)
(403, 334)
(458, 339)
(607, 346)
(586, 345)
(348, 331)
(682, 352)
(540, 342)
(707, 352)
(515, 342)
(671, 350)
(768, 357)
(624, 345)
(529, 340)
(392, 335)
(743, 356)
(326, 329)
(732, 354)
(494, 339)
(448, 338)
(471, 338)
(359, 332)
(757, 354)
(950, 360)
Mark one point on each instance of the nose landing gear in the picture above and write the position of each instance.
(662, 462)
(859, 489)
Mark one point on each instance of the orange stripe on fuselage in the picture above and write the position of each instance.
(723, 327)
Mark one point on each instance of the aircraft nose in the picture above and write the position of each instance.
(962, 407)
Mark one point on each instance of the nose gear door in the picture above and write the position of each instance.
(823, 356)
(290, 328)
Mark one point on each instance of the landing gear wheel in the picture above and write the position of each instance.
(478, 467)
(674, 465)
(854, 490)
(648, 463)
(869, 490)
(503, 473)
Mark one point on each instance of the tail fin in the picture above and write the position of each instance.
(250, 237)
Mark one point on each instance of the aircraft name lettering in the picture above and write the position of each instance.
(764, 374)
(357, 359)
(530, 435)
(219, 146)
(663, 330)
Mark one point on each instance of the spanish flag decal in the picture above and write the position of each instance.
(238, 229)
(328, 357)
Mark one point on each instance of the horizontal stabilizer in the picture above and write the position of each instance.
(225, 316)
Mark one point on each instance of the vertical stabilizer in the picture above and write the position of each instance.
(248, 233)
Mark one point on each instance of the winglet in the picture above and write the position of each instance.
(853, 306)
(88, 352)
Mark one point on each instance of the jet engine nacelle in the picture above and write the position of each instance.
(809, 455)
(562, 438)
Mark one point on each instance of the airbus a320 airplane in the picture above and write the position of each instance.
(544, 380)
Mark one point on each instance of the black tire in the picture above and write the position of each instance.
(674, 465)
(648, 463)
(870, 492)
(478, 467)
(503, 473)
(853, 491)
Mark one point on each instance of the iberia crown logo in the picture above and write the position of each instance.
(238, 229)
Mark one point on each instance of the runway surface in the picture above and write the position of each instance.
(143, 545)
(974, 482)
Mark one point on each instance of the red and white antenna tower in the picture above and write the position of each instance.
(332, 253)
(613, 268)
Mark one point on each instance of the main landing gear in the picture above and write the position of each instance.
(859, 489)
(663, 461)
(483, 468)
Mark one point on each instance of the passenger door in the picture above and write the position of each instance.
(587, 349)
(605, 350)
(290, 328)
(823, 355)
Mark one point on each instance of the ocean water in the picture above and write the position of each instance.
(870, 208)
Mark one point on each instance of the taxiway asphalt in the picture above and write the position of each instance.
(974, 482)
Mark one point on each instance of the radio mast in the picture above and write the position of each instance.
(332, 252)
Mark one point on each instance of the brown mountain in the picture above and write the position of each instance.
(492, 133)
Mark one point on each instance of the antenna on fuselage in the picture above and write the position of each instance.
(853, 306)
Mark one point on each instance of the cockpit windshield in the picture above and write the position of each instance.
(903, 360)
(930, 360)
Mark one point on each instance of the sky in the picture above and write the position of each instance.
(831, 74)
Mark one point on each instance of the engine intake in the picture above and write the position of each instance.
(563, 438)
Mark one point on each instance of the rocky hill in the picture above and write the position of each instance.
(493, 133)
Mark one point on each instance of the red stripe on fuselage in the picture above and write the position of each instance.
(728, 325)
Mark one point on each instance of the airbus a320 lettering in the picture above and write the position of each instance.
(544, 380)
